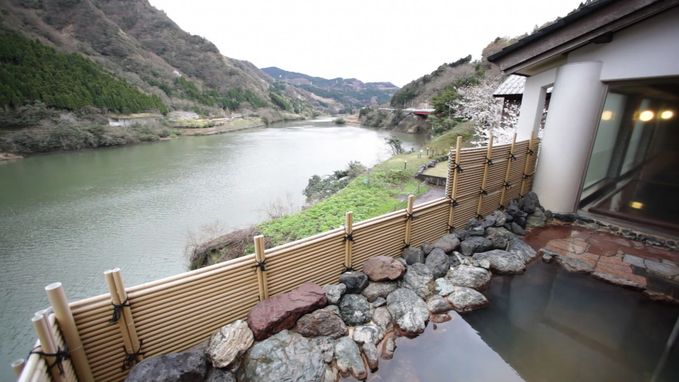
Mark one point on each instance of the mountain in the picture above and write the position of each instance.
(347, 93)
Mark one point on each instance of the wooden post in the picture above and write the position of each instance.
(453, 178)
(44, 332)
(64, 318)
(348, 238)
(526, 165)
(409, 219)
(260, 258)
(18, 366)
(510, 160)
(484, 180)
(125, 322)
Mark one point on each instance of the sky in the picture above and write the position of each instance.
(372, 40)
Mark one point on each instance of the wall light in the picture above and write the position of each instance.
(636, 205)
(607, 115)
(666, 114)
(646, 115)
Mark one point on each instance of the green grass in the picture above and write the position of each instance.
(445, 141)
(383, 189)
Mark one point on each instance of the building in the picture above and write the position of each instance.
(610, 143)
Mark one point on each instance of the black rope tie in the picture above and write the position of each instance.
(489, 161)
(457, 167)
(349, 237)
(347, 269)
(405, 246)
(526, 176)
(410, 216)
(530, 151)
(451, 228)
(454, 203)
(118, 311)
(132, 358)
(261, 265)
(59, 357)
(483, 192)
(512, 157)
(507, 185)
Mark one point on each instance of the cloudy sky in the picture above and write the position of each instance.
(372, 40)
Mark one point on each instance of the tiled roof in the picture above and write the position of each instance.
(513, 85)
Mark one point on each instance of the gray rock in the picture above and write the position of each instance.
(382, 318)
(438, 262)
(349, 360)
(466, 299)
(443, 286)
(536, 219)
(285, 356)
(499, 237)
(334, 292)
(633, 260)
(330, 374)
(388, 346)
(355, 281)
(367, 333)
(517, 229)
(326, 346)
(479, 230)
(420, 279)
(573, 264)
(437, 304)
(521, 249)
(664, 269)
(321, 322)
(187, 366)
(469, 276)
(461, 234)
(500, 218)
(220, 375)
(354, 309)
(413, 255)
(448, 243)
(547, 255)
(380, 301)
(475, 244)
(529, 202)
(426, 248)
(408, 311)
(378, 289)
(502, 262)
(453, 258)
(371, 355)
(228, 343)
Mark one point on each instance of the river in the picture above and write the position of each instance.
(70, 216)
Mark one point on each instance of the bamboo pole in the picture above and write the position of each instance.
(64, 317)
(44, 332)
(409, 221)
(526, 165)
(115, 299)
(455, 179)
(127, 314)
(510, 160)
(484, 180)
(18, 366)
(348, 238)
(260, 258)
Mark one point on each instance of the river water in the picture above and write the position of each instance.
(68, 217)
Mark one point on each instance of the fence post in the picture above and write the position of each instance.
(348, 239)
(409, 220)
(510, 160)
(453, 177)
(123, 316)
(18, 366)
(64, 316)
(260, 258)
(529, 153)
(484, 180)
(44, 332)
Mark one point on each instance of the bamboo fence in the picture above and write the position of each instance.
(106, 335)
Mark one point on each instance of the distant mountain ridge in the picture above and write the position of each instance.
(350, 93)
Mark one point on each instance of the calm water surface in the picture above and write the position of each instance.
(70, 216)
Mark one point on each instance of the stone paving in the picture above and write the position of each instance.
(611, 258)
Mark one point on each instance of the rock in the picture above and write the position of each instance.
(437, 304)
(413, 255)
(438, 262)
(286, 356)
(663, 269)
(380, 301)
(408, 311)
(426, 248)
(282, 311)
(529, 202)
(330, 374)
(454, 259)
(321, 322)
(367, 333)
(572, 264)
(383, 268)
(499, 237)
(547, 255)
(475, 244)
(466, 299)
(220, 375)
(326, 346)
(382, 318)
(502, 262)
(461, 234)
(379, 289)
(371, 355)
(500, 218)
(448, 243)
(439, 318)
(443, 286)
(517, 229)
(420, 279)
(388, 346)
(479, 230)
(355, 281)
(536, 219)
(334, 292)
(521, 249)
(228, 343)
(354, 309)
(349, 360)
(187, 366)
(468, 276)
(485, 264)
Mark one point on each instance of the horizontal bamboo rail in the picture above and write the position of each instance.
(108, 333)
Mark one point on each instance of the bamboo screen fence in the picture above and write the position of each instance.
(107, 334)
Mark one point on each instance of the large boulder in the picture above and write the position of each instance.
(376, 290)
(286, 356)
(333, 292)
(321, 322)
(536, 219)
(282, 311)
(190, 366)
(521, 249)
(475, 244)
(413, 255)
(443, 286)
(438, 262)
(448, 243)
(354, 309)
(408, 311)
(468, 276)
(437, 304)
(382, 318)
(371, 355)
(349, 360)
(355, 281)
(420, 279)
(383, 268)
(502, 262)
(499, 237)
(529, 202)
(466, 299)
(228, 343)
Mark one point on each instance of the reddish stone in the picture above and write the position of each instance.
(383, 268)
(280, 312)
